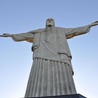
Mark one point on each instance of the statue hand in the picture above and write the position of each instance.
(6, 35)
(94, 24)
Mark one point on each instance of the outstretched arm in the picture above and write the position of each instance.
(72, 32)
(29, 36)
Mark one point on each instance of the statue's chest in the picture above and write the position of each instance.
(50, 36)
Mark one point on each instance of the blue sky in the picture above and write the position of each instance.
(18, 16)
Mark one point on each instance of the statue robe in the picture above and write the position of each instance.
(51, 73)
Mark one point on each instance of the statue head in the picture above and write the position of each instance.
(50, 22)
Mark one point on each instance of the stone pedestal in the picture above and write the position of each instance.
(62, 96)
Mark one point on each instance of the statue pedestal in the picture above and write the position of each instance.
(62, 96)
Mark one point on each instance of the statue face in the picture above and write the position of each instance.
(50, 22)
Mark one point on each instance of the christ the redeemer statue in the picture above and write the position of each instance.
(51, 73)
